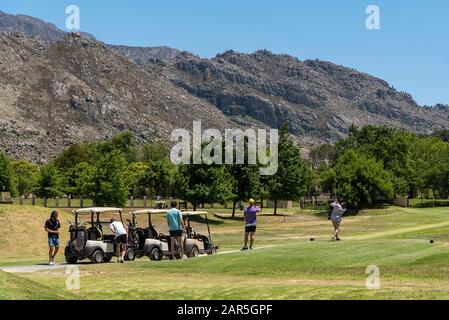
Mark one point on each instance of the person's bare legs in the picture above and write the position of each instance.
(55, 252)
(118, 252)
(123, 247)
(246, 240)
(181, 245)
(251, 240)
(336, 229)
(50, 254)
(172, 244)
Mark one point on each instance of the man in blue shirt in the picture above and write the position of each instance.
(175, 228)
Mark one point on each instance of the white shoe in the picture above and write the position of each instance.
(52, 263)
(184, 257)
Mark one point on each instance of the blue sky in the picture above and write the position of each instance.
(410, 51)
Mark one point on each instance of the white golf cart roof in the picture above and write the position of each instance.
(88, 211)
(193, 213)
(148, 211)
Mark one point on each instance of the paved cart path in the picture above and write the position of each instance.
(33, 268)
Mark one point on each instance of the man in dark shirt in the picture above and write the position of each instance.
(52, 226)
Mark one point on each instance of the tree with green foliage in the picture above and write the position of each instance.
(201, 183)
(104, 180)
(123, 143)
(27, 176)
(390, 146)
(134, 176)
(70, 157)
(322, 155)
(72, 179)
(292, 179)
(245, 183)
(359, 179)
(50, 181)
(155, 151)
(442, 134)
(431, 158)
(7, 178)
(159, 177)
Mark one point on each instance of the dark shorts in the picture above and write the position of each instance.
(53, 242)
(336, 223)
(123, 239)
(175, 233)
(250, 229)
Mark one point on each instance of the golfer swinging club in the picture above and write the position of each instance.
(250, 224)
(121, 238)
(336, 216)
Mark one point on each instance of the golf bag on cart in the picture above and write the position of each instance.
(78, 238)
(136, 237)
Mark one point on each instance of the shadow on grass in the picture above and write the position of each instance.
(228, 217)
(202, 219)
(430, 204)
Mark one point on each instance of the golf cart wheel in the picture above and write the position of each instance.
(212, 251)
(97, 257)
(71, 259)
(155, 254)
(194, 253)
(68, 257)
(130, 255)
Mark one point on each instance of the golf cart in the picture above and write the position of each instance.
(91, 239)
(160, 205)
(197, 243)
(152, 243)
(144, 241)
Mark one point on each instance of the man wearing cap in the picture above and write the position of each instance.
(250, 224)
(121, 239)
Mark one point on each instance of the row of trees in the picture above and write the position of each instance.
(372, 163)
(382, 163)
(110, 171)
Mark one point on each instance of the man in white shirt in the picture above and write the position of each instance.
(336, 216)
(121, 238)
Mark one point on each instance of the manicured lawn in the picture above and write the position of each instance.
(286, 265)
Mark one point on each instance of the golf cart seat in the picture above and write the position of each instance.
(191, 233)
(163, 237)
(109, 238)
(94, 233)
(141, 236)
(151, 232)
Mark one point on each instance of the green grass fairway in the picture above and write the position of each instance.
(286, 265)
(18, 288)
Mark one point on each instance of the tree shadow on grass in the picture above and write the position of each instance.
(431, 204)
(202, 219)
(228, 217)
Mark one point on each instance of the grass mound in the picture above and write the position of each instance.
(13, 287)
